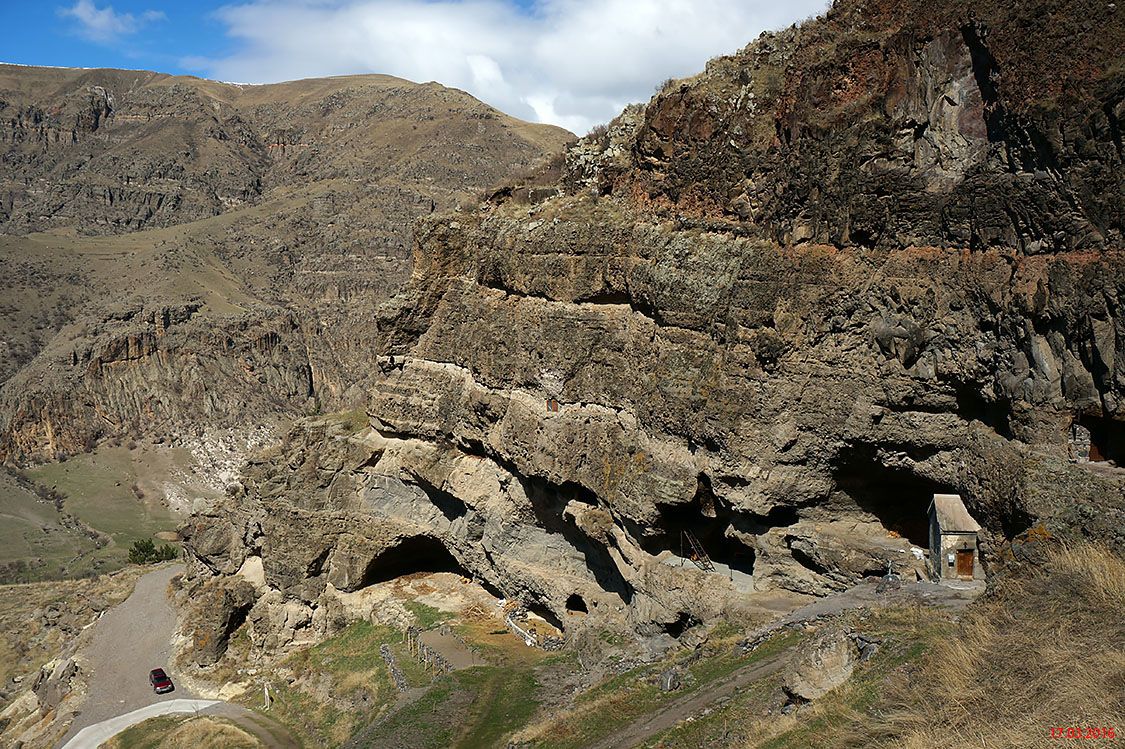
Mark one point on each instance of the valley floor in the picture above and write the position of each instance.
(1009, 655)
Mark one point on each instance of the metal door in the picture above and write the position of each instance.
(965, 563)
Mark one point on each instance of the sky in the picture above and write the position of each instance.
(573, 63)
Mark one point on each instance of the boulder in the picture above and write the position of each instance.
(820, 665)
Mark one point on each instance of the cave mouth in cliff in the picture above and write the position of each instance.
(414, 554)
(706, 521)
(576, 604)
(683, 622)
(549, 502)
(1107, 439)
(898, 498)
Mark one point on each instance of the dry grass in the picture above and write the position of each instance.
(184, 733)
(38, 620)
(1047, 649)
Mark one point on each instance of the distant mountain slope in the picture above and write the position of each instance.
(282, 211)
(108, 151)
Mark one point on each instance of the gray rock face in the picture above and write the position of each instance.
(53, 683)
(667, 390)
(155, 370)
(219, 606)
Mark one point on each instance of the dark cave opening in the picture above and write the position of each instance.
(576, 604)
(973, 406)
(549, 502)
(1107, 439)
(540, 610)
(683, 622)
(238, 617)
(899, 498)
(415, 554)
(706, 520)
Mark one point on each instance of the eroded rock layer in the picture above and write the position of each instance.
(741, 342)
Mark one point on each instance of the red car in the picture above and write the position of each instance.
(161, 684)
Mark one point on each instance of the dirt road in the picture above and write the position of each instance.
(638, 732)
(129, 641)
(864, 594)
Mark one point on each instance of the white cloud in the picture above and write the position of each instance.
(105, 25)
(570, 62)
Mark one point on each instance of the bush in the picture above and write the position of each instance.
(599, 133)
(146, 552)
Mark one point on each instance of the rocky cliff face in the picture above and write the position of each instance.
(859, 262)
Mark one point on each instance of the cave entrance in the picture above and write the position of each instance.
(1098, 439)
(575, 604)
(701, 532)
(898, 498)
(549, 502)
(415, 554)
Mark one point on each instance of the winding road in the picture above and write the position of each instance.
(129, 641)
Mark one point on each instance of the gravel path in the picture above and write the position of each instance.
(129, 641)
(864, 594)
(636, 733)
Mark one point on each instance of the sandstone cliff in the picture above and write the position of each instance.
(861, 261)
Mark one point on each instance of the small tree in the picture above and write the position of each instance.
(142, 552)
(146, 552)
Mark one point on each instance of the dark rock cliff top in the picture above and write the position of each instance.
(891, 124)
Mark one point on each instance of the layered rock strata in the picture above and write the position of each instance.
(755, 325)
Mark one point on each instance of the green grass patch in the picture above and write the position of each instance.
(721, 725)
(352, 670)
(505, 700)
(425, 723)
(475, 707)
(427, 616)
(101, 489)
(37, 541)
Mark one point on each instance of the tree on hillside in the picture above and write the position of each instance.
(146, 552)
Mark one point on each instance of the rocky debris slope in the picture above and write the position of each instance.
(743, 339)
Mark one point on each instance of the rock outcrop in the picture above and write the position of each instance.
(769, 315)
(819, 666)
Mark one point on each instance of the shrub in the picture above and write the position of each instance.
(599, 133)
(146, 552)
